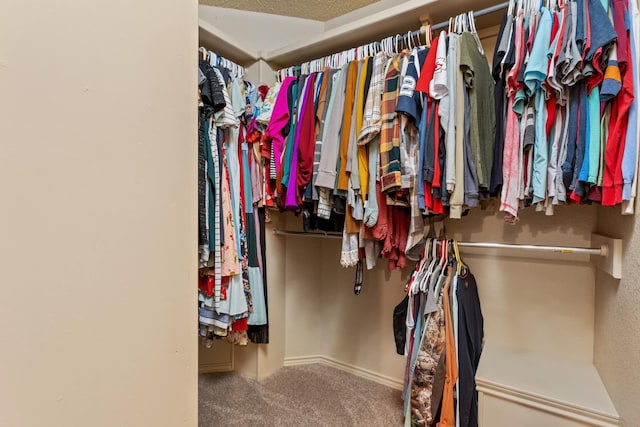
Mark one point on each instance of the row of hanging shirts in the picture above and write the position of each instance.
(387, 135)
(566, 100)
(215, 60)
(443, 338)
(232, 280)
(428, 128)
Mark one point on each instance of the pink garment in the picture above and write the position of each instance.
(230, 263)
(292, 187)
(512, 77)
(512, 155)
(511, 169)
(279, 119)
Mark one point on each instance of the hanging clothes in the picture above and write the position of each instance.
(566, 77)
(232, 300)
(443, 339)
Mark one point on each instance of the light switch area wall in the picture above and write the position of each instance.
(98, 174)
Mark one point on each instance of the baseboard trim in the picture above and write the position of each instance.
(549, 405)
(346, 367)
(215, 367)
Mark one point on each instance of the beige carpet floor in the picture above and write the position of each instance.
(308, 395)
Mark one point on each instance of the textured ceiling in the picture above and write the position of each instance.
(310, 9)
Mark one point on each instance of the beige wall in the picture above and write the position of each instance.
(617, 346)
(528, 303)
(305, 322)
(357, 330)
(534, 302)
(98, 217)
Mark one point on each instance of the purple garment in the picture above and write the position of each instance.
(279, 119)
(291, 201)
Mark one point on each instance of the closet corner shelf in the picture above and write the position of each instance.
(225, 44)
(607, 255)
(569, 389)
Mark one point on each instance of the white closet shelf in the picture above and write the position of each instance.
(225, 44)
(567, 388)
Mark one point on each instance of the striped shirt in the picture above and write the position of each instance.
(371, 124)
(390, 168)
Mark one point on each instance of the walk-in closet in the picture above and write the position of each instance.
(529, 225)
(320, 213)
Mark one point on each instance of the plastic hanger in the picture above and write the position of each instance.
(424, 276)
(461, 267)
(474, 31)
(444, 259)
(415, 284)
(424, 284)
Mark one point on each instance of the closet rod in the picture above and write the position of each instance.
(481, 12)
(602, 250)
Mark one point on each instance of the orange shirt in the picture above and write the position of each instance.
(447, 415)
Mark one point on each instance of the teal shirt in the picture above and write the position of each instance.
(286, 171)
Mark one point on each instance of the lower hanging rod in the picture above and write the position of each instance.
(602, 250)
